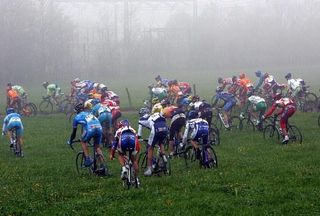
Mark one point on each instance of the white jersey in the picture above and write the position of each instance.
(193, 126)
(255, 99)
(294, 83)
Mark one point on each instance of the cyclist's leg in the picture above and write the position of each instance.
(97, 140)
(151, 143)
(284, 120)
(86, 136)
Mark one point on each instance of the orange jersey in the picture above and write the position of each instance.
(12, 94)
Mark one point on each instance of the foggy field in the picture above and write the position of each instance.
(253, 177)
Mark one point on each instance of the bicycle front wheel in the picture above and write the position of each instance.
(295, 135)
(270, 132)
(210, 158)
(143, 160)
(246, 125)
(81, 168)
(214, 135)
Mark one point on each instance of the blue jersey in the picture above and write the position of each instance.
(12, 120)
(98, 109)
(87, 120)
(225, 96)
(197, 128)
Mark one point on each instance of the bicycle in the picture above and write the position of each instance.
(46, 106)
(16, 147)
(132, 179)
(207, 158)
(94, 168)
(160, 163)
(272, 131)
(246, 123)
(218, 121)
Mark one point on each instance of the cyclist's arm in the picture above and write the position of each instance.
(271, 110)
(246, 106)
(215, 101)
(73, 135)
(186, 132)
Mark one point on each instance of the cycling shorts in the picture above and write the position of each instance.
(95, 134)
(17, 125)
(176, 125)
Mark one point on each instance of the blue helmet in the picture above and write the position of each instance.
(10, 110)
(258, 73)
(193, 114)
(124, 123)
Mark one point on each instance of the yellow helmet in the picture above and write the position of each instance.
(88, 104)
(155, 100)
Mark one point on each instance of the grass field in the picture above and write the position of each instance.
(254, 177)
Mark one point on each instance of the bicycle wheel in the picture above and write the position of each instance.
(211, 159)
(295, 135)
(81, 168)
(270, 132)
(214, 135)
(309, 106)
(190, 154)
(46, 107)
(246, 125)
(34, 107)
(28, 110)
(142, 161)
(216, 122)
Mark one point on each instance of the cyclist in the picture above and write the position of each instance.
(258, 105)
(53, 91)
(157, 106)
(185, 87)
(103, 113)
(287, 107)
(91, 130)
(294, 85)
(158, 133)
(115, 111)
(271, 86)
(11, 121)
(13, 99)
(229, 102)
(244, 84)
(197, 128)
(126, 140)
(226, 82)
(262, 76)
(161, 82)
(21, 92)
(178, 121)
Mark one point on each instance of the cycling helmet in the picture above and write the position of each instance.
(220, 80)
(158, 78)
(88, 104)
(10, 110)
(258, 73)
(175, 82)
(124, 123)
(193, 114)
(234, 78)
(276, 96)
(79, 107)
(288, 76)
(144, 111)
(45, 84)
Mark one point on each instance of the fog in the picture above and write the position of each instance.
(57, 40)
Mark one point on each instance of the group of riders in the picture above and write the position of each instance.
(98, 110)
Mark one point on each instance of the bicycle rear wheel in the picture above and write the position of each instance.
(81, 168)
(28, 110)
(216, 122)
(142, 161)
(295, 135)
(214, 135)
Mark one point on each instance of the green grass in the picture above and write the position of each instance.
(255, 177)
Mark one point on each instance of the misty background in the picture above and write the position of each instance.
(105, 40)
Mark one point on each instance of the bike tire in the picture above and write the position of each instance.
(81, 169)
(142, 161)
(66, 106)
(214, 135)
(270, 132)
(35, 108)
(235, 123)
(295, 135)
(190, 154)
(216, 122)
(46, 107)
(246, 125)
(212, 159)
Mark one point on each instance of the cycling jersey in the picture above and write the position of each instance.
(91, 126)
(11, 121)
(53, 90)
(21, 92)
(185, 88)
(103, 113)
(158, 128)
(126, 140)
(197, 128)
(12, 94)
